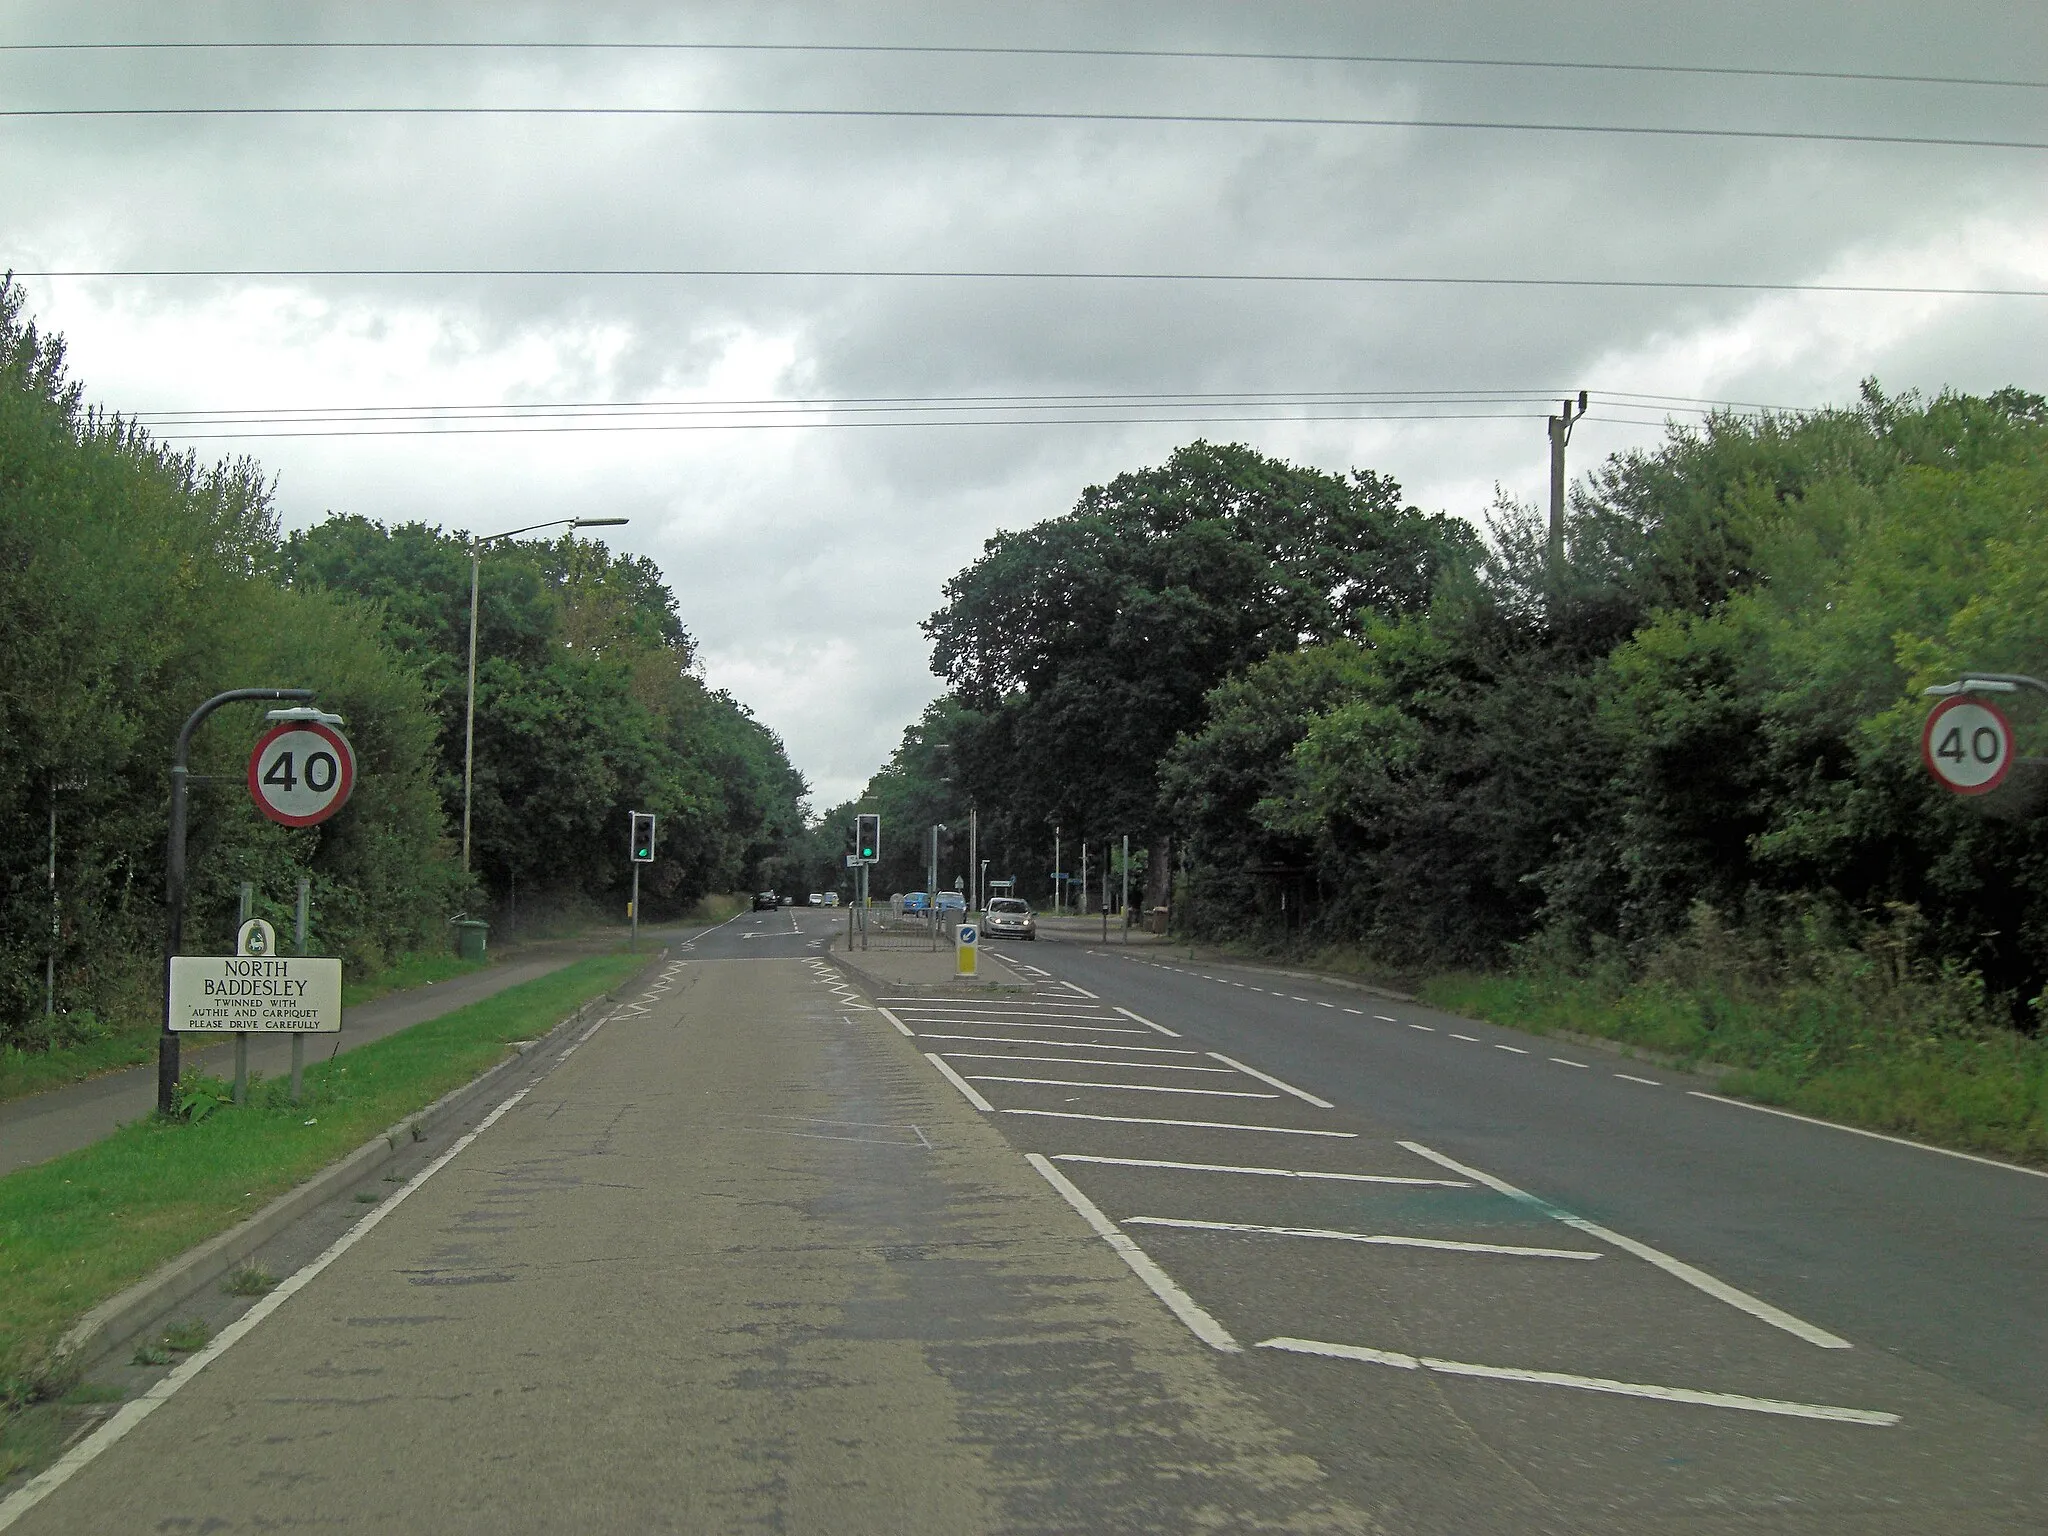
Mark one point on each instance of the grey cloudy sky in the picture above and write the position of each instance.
(805, 558)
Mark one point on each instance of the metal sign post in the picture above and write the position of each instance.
(174, 876)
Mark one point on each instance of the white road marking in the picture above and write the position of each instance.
(1306, 1098)
(1083, 1061)
(132, 1413)
(901, 1027)
(1678, 1269)
(1182, 1305)
(1377, 1239)
(1321, 1004)
(1515, 1048)
(1857, 1130)
(965, 1087)
(1474, 1039)
(1632, 1078)
(1359, 1011)
(1563, 1063)
(1093, 1045)
(1427, 1028)
(1271, 1173)
(1082, 990)
(1062, 1082)
(1585, 1383)
(1083, 1029)
(1140, 1018)
(1388, 1018)
(1200, 1125)
(1293, 999)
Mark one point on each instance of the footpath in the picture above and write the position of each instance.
(46, 1125)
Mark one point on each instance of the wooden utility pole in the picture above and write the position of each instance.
(1560, 434)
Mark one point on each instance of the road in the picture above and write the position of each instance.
(1144, 1247)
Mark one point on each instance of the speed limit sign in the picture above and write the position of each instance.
(301, 773)
(1967, 745)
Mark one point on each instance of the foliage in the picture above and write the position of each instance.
(1714, 699)
(587, 708)
(1084, 645)
(135, 583)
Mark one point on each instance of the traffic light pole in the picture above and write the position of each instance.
(633, 938)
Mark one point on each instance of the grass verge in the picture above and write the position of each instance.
(131, 1041)
(1801, 1048)
(82, 1227)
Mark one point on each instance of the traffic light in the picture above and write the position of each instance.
(867, 838)
(643, 837)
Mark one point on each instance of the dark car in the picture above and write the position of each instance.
(765, 901)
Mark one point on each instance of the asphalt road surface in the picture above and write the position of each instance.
(1145, 1247)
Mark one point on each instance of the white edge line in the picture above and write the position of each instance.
(1306, 1098)
(1857, 1130)
(1678, 1269)
(961, 1083)
(1178, 1301)
(901, 1028)
(132, 1413)
(1140, 1018)
(1082, 990)
(1585, 1383)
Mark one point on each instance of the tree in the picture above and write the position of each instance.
(1087, 643)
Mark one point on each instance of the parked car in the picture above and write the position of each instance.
(914, 902)
(815, 899)
(831, 898)
(952, 901)
(765, 901)
(1006, 917)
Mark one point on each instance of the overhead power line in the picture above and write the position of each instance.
(1705, 285)
(705, 415)
(1452, 61)
(920, 114)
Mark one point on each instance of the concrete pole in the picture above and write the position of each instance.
(1127, 888)
(247, 910)
(469, 708)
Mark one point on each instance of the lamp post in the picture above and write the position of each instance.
(476, 548)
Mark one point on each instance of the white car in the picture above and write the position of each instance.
(815, 899)
(831, 898)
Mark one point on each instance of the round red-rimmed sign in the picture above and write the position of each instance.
(301, 773)
(1967, 745)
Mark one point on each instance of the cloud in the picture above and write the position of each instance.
(804, 560)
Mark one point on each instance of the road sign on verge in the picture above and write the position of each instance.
(256, 937)
(263, 994)
(1967, 745)
(302, 772)
(854, 861)
(966, 948)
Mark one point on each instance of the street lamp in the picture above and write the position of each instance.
(476, 547)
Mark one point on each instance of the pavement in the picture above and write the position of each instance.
(46, 1125)
(1116, 1244)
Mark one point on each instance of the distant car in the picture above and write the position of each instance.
(916, 901)
(789, 901)
(1006, 917)
(952, 901)
(764, 901)
(815, 899)
(831, 898)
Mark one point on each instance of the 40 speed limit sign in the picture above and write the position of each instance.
(301, 773)
(1967, 745)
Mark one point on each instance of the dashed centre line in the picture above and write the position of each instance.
(1630, 1077)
